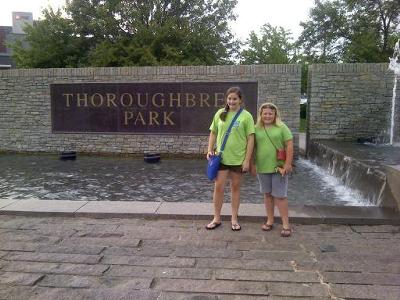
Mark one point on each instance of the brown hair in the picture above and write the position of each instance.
(231, 90)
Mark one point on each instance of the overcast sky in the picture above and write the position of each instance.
(252, 14)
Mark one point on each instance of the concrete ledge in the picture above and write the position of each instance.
(349, 215)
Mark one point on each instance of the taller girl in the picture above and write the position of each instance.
(236, 155)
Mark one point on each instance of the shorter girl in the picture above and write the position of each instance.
(272, 134)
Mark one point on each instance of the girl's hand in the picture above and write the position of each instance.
(209, 153)
(280, 171)
(287, 168)
(245, 166)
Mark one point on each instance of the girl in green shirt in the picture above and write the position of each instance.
(272, 134)
(236, 154)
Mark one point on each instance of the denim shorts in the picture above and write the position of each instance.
(274, 184)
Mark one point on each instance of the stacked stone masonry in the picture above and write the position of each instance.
(25, 120)
(350, 101)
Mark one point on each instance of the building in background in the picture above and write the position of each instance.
(8, 34)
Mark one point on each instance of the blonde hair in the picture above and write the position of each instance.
(277, 120)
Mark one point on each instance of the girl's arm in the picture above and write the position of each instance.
(249, 152)
(289, 156)
(211, 144)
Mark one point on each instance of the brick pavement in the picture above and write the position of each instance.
(134, 258)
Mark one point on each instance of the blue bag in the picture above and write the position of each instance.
(213, 165)
(215, 160)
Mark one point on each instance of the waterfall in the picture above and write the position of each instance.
(394, 65)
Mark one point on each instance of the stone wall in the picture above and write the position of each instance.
(350, 101)
(25, 120)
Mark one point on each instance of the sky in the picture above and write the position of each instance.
(251, 14)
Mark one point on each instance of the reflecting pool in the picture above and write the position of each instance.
(131, 179)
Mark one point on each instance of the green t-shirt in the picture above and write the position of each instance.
(266, 160)
(236, 145)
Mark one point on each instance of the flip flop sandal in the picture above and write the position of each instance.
(236, 227)
(267, 227)
(286, 232)
(213, 225)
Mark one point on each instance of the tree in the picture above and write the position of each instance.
(153, 32)
(48, 43)
(274, 46)
(350, 30)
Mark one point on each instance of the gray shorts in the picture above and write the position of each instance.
(274, 184)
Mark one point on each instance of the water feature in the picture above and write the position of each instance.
(394, 65)
(358, 166)
(131, 179)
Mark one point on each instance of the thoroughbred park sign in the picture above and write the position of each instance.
(142, 108)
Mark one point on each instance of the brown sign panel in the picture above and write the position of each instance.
(137, 108)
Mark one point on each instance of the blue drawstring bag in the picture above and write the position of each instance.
(215, 160)
(212, 166)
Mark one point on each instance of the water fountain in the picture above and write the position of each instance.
(394, 65)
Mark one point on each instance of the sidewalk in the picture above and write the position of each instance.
(171, 256)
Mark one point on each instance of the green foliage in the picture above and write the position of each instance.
(350, 31)
(274, 46)
(127, 33)
(303, 125)
(51, 43)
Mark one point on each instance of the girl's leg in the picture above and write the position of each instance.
(236, 181)
(218, 197)
(269, 208)
(283, 207)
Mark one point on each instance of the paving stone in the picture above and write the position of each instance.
(270, 276)
(74, 281)
(358, 257)
(277, 255)
(376, 228)
(150, 272)
(53, 257)
(55, 268)
(355, 266)
(381, 235)
(148, 261)
(145, 251)
(18, 246)
(102, 241)
(149, 233)
(71, 249)
(254, 264)
(198, 264)
(12, 278)
(211, 286)
(227, 235)
(194, 296)
(99, 294)
(27, 236)
(298, 289)
(191, 243)
(366, 291)
(41, 293)
(265, 245)
(198, 252)
(362, 278)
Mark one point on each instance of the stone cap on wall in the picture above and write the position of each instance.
(250, 70)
